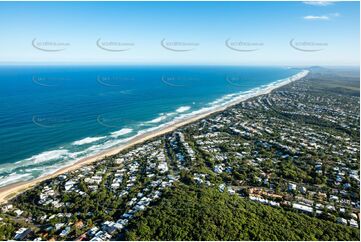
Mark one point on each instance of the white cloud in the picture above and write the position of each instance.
(311, 17)
(322, 17)
(318, 3)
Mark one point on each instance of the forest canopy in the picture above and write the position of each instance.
(192, 213)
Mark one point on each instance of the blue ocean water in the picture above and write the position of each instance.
(51, 116)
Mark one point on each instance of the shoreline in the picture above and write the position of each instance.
(9, 191)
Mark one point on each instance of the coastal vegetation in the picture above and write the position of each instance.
(281, 166)
(200, 213)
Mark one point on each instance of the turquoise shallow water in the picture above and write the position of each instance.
(52, 116)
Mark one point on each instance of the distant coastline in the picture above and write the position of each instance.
(11, 190)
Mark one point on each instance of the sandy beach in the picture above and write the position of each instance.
(9, 191)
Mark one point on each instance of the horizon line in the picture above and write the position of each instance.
(166, 64)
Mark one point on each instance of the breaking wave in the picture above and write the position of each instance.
(121, 132)
(88, 140)
(50, 161)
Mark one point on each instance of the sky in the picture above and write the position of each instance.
(215, 33)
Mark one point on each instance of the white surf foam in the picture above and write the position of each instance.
(87, 140)
(46, 156)
(121, 132)
(158, 120)
(163, 116)
(68, 158)
(14, 177)
(183, 109)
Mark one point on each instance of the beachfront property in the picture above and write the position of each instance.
(180, 120)
(292, 149)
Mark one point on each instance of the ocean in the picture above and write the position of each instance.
(52, 116)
